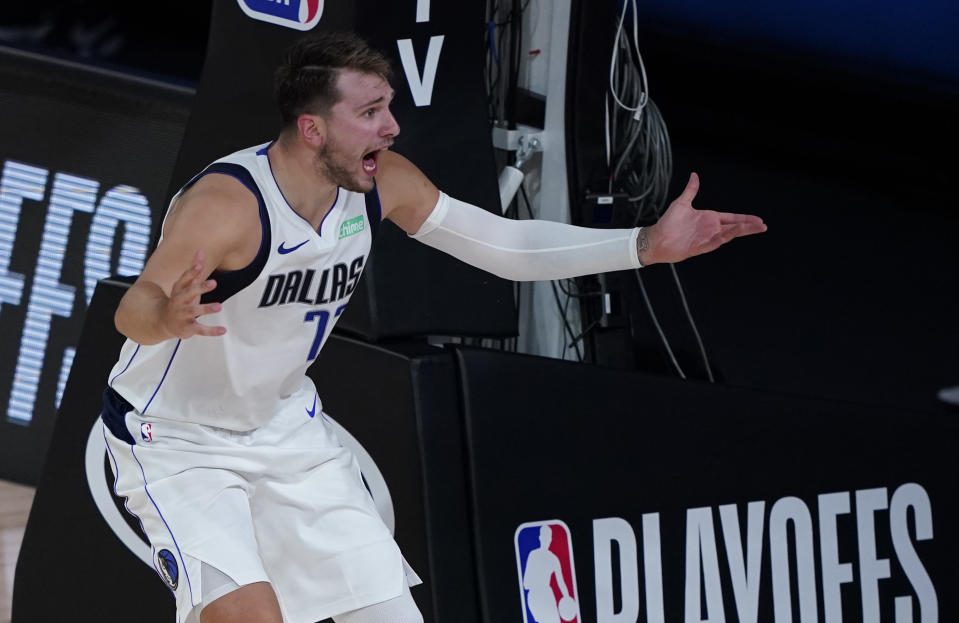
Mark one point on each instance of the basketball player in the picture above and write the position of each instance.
(215, 433)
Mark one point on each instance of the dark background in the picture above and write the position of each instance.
(845, 147)
(849, 296)
(846, 153)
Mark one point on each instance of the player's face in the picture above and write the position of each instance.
(359, 126)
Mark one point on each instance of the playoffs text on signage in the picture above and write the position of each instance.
(833, 556)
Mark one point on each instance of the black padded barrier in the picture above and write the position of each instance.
(71, 565)
(672, 495)
(613, 453)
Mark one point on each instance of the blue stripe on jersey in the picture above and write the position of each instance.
(230, 282)
(328, 212)
(263, 152)
(374, 213)
(169, 363)
(135, 351)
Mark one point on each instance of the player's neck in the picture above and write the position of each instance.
(307, 191)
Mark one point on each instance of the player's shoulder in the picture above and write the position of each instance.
(214, 205)
(217, 195)
(396, 171)
(404, 190)
(218, 189)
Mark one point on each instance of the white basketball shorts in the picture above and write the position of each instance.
(283, 504)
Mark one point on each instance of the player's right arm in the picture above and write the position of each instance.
(214, 225)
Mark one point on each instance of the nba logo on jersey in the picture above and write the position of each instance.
(547, 575)
(297, 14)
(146, 431)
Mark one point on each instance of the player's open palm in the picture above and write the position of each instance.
(683, 231)
(184, 307)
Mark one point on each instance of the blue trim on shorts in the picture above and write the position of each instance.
(116, 475)
(126, 505)
(163, 519)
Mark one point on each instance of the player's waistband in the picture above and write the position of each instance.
(115, 408)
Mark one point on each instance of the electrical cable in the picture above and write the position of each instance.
(692, 324)
(569, 329)
(639, 155)
(659, 329)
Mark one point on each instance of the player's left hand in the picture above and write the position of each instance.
(683, 231)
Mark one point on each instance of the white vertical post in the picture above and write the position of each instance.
(541, 323)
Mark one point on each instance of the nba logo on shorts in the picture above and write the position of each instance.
(297, 14)
(547, 575)
(146, 431)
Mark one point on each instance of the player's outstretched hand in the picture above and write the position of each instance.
(183, 307)
(683, 231)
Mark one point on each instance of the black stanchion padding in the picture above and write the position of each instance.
(71, 565)
(401, 402)
(554, 440)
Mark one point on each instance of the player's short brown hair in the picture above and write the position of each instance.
(305, 82)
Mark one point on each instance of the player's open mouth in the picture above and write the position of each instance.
(369, 162)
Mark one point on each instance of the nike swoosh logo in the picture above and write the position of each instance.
(284, 250)
(312, 411)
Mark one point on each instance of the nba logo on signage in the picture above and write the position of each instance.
(297, 14)
(547, 575)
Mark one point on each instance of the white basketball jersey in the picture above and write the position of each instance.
(278, 312)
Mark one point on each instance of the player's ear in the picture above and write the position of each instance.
(312, 129)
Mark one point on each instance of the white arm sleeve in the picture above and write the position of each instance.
(525, 250)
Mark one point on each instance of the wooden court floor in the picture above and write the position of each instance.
(15, 503)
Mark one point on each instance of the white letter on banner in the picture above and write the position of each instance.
(744, 570)
(65, 364)
(783, 511)
(913, 496)
(605, 531)
(701, 547)
(19, 182)
(834, 573)
(122, 203)
(653, 563)
(48, 296)
(421, 89)
(871, 568)
(422, 11)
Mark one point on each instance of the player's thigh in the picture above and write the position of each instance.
(253, 603)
